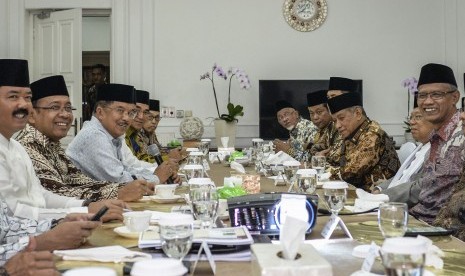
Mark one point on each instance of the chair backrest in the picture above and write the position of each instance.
(405, 150)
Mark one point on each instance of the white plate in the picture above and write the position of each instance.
(124, 232)
(173, 199)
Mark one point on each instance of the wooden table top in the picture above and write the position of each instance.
(364, 229)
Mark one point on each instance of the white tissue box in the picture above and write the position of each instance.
(266, 262)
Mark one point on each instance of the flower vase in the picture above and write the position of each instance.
(225, 129)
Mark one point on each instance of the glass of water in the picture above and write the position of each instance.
(319, 163)
(335, 195)
(306, 181)
(205, 205)
(403, 256)
(393, 219)
(176, 234)
(193, 171)
(205, 146)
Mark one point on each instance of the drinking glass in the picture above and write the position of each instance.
(403, 256)
(306, 181)
(393, 219)
(176, 234)
(195, 158)
(193, 171)
(205, 146)
(319, 163)
(335, 195)
(290, 169)
(205, 205)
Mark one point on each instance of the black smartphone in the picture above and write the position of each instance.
(428, 231)
(99, 214)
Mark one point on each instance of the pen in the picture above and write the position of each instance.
(127, 210)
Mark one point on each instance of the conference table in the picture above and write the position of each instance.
(337, 250)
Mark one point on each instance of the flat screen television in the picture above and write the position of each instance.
(293, 91)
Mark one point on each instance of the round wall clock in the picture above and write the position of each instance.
(305, 15)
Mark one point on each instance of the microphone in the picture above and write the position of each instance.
(155, 152)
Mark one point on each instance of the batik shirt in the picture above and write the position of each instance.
(15, 232)
(368, 157)
(441, 170)
(300, 137)
(56, 171)
(137, 142)
(328, 138)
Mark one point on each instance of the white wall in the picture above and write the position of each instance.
(163, 47)
(3, 29)
(96, 34)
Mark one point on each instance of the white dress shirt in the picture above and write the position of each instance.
(21, 188)
(411, 165)
(103, 157)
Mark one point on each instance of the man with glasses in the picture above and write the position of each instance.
(50, 121)
(421, 131)
(301, 132)
(368, 155)
(99, 149)
(327, 140)
(133, 140)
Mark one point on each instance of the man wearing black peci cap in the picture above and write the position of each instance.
(99, 148)
(368, 155)
(132, 138)
(50, 121)
(339, 85)
(301, 132)
(327, 140)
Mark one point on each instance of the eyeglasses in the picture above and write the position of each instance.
(435, 95)
(416, 118)
(153, 118)
(57, 109)
(121, 111)
(285, 115)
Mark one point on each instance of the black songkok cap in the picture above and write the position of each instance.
(14, 72)
(317, 97)
(344, 84)
(436, 73)
(49, 86)
(142, 97)
(282, 104)
(116, 92)
(154, 105)
(344, 101)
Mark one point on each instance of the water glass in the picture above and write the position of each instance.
(205, 146)
(335, 195)
(193, 171)
(195, 158)
(290, 169)
(176, 234)
(306, 181)
(319, 163)
(205, 205)
(403, 256)
(393, 219)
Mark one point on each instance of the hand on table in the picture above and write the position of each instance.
(115, 209)
(135, 190)
(26, 263)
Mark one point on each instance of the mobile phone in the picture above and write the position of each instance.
(99, 214)
(428, 231)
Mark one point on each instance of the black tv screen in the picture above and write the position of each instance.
(293, 91)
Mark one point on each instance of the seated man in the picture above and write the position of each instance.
(339, 86)
(50, 121)
(19, 185)
(301, 132)
(421, 131)
(327, 140)
(99, 149)
(17, 234)
(368, 155)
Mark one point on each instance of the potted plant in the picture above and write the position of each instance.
(225, 123)
(411, 85)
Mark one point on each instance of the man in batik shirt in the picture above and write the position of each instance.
(327, 140)
(301, 132)
(133, 139)
(368, 155)
(50, 121)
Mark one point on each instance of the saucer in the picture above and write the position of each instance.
(124, 232)
(173, 199)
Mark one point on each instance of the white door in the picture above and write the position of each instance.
(58, 51)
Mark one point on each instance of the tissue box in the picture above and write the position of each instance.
(266, 262)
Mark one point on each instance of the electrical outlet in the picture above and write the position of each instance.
(165, 111)
(171, 112)
(179, 114)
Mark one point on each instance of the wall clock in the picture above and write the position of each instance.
(305, 15)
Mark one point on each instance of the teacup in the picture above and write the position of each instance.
(165, 190)
(163, 266)
(90, 271)
(137, 221)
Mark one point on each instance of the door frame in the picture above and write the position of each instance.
(20, 29)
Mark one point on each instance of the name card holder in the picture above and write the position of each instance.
(204, 248)
(331, 225)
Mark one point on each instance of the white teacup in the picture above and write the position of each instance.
(165, 190)
(137, 221)
(90, 271)
(163, 266)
